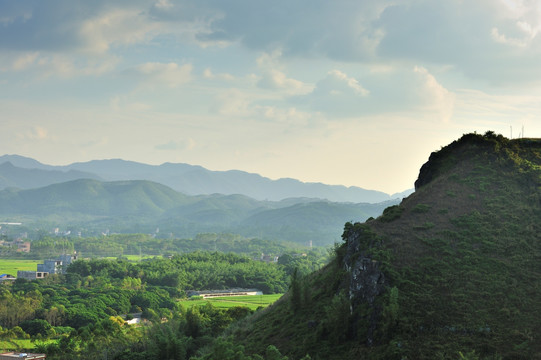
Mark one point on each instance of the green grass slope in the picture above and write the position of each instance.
(452, 272)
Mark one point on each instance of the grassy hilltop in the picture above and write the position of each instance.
(452, 272)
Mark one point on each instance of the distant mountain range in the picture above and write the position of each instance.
(27, 173)
(143, 206)
(179, 199)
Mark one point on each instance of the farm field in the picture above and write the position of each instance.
(21, 344)
(10, 266)
(251, 301)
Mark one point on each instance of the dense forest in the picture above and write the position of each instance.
(118, 245)
(85, 309)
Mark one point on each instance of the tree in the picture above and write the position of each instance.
(36, 326)
(295, 292)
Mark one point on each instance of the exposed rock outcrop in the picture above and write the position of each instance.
(366, 280)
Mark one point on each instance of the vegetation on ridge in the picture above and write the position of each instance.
(459, 261)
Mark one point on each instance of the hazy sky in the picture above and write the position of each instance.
(341, 92)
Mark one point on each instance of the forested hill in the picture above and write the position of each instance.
(92, 197)
(93, 206)
(452, 272)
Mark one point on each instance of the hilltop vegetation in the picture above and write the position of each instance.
(453, 271)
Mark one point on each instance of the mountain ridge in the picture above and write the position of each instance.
(196, 180)
(450, 272)
(143, 206)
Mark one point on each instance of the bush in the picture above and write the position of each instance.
(36, 326)
(421, 208)
(391, 213)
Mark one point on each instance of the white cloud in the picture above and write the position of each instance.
(174, 145)
(118, 26)
(35, 133)
(273, 77)
(208, 74)
(338, 83)
(337, 95)
(164, 4)
(170, 74)
(40, 65)
(290, 116)
(24, 61)
(232, 102)
(436, 97)
(502, 39)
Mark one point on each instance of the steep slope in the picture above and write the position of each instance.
(452, 271)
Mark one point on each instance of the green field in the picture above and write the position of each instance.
(250, 301)
(20, 344)
(10, 266)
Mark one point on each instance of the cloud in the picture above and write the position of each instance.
(337, 83)
(174, 145)
(232, 102)
(164, 5)
(387, 91)
(434, 97)
(24, 61)
(35, 133)
(299, 28)
(170, 74)
(119, 26)
(69, 26)
(273, 78)
(336, 95)
(208, 74)
(123, 103)
(481, 39)
(291, 116)
(40, 65)
(494, 41)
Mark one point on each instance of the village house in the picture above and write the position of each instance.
(18, 355)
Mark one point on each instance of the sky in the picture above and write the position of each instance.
(357, 93)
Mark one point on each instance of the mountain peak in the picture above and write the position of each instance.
(454, 269)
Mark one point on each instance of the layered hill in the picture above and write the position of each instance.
(92, 197)
(28, 173)
(453, 271)
(29, 178)
(144, 206)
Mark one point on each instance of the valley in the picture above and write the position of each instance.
(449, 272)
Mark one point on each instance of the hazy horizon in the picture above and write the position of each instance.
(342, 93)
(196, 165)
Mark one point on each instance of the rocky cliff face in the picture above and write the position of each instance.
(366, 280)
